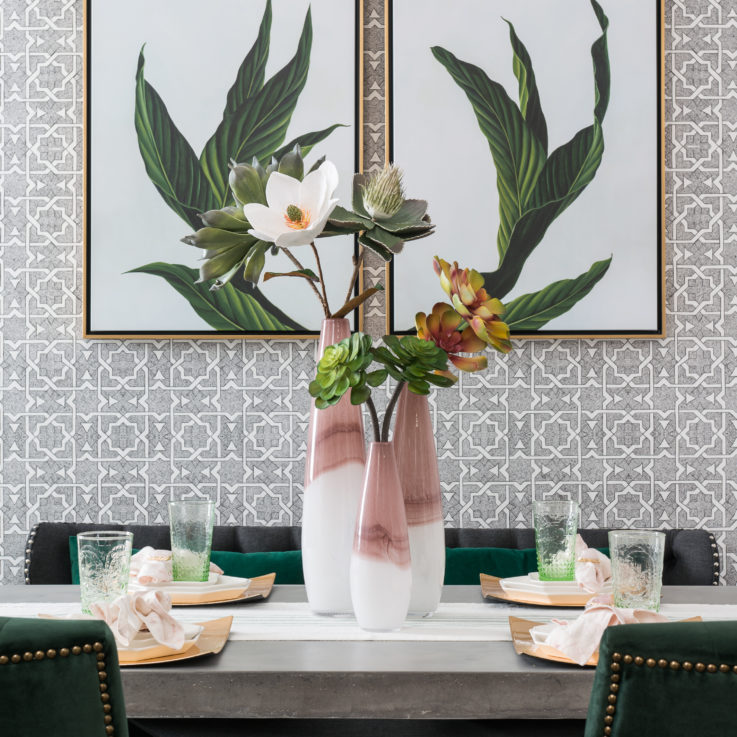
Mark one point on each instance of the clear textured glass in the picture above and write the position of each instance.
(637, 568)
(104, 566)
(556, 525)
(190, 524)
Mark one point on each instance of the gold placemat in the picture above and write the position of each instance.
(212, 639)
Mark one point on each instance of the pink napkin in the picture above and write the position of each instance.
(579, 639)
(129, 614)
(149, 566)
(593, 569)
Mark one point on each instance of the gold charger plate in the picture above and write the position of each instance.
(259, 588)
(212, 640)
(491, 588)
(523, 644)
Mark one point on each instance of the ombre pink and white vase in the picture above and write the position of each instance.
(336, 457)
(381, 572)
(417, 461)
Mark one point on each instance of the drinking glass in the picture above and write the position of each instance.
(637, 568)
(104, 565)
(190, 524)
(556, 525)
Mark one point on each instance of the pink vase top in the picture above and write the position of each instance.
(335, 435)
(381, 529)
(417, 461)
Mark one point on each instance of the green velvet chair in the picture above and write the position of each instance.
(657, 680)
(59, 678)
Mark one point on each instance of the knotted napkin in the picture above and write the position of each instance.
(129, 614)
(149, 566)
(593, 569)
(579, 639)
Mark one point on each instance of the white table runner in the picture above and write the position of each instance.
(478, 622)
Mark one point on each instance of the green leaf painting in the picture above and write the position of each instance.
(255, 120)
(534, 187)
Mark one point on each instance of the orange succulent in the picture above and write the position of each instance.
(470, 300)
(441, 327)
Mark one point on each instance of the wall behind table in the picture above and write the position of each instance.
(642, 432)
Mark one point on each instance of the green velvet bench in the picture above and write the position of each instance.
(59, 678)
(691, 556)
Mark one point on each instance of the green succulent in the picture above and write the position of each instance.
(419, 363)
(343, 367)
(384, 219)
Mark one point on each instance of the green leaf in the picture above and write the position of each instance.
(409, 215)
(170, 162)
(307, 141)
(376, 247)
(341, 216)
(531, 311)
(258, 126)
(360, 394)
(529, 97)
(518, 154)
(376, 378)
(250, 77)
(566, 173)
(227, 309)
(304, 273)
(383, 238)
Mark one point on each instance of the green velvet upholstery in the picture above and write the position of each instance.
(60, 696)
(691, 689)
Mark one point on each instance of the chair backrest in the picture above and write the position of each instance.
(60, 678)
(691, 556)
(658, 680)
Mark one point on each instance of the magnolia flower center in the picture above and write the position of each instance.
(296, 219)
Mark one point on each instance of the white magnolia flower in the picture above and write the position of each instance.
(297, 211)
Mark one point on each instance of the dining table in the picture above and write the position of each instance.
(283, 662)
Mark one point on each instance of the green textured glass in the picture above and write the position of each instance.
(556, 525)
(104, 566)
(637, 568)
(190, 525)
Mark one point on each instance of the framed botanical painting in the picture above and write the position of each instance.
(177, 93)
(534, 128)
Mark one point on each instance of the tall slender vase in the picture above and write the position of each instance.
(414, 446)
(336, 457)
(381, 574)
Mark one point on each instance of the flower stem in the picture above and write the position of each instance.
(357, 261)
(389, 411)
(296, 262)
(374, 418)
(322, 279)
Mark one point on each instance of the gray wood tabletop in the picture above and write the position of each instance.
(359, 679)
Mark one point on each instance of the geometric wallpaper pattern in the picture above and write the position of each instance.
(642, 432)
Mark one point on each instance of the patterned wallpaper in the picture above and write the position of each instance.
(642, 432)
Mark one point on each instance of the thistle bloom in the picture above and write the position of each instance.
(296, 212)
(383, 193)
(465, 287)
(441, 327)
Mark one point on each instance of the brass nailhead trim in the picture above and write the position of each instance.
(51, 653)
(638, 660)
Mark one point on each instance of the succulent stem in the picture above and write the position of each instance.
(374, 418)
(389, 411)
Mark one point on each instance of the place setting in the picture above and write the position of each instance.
(623, 587)
(134, 593)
